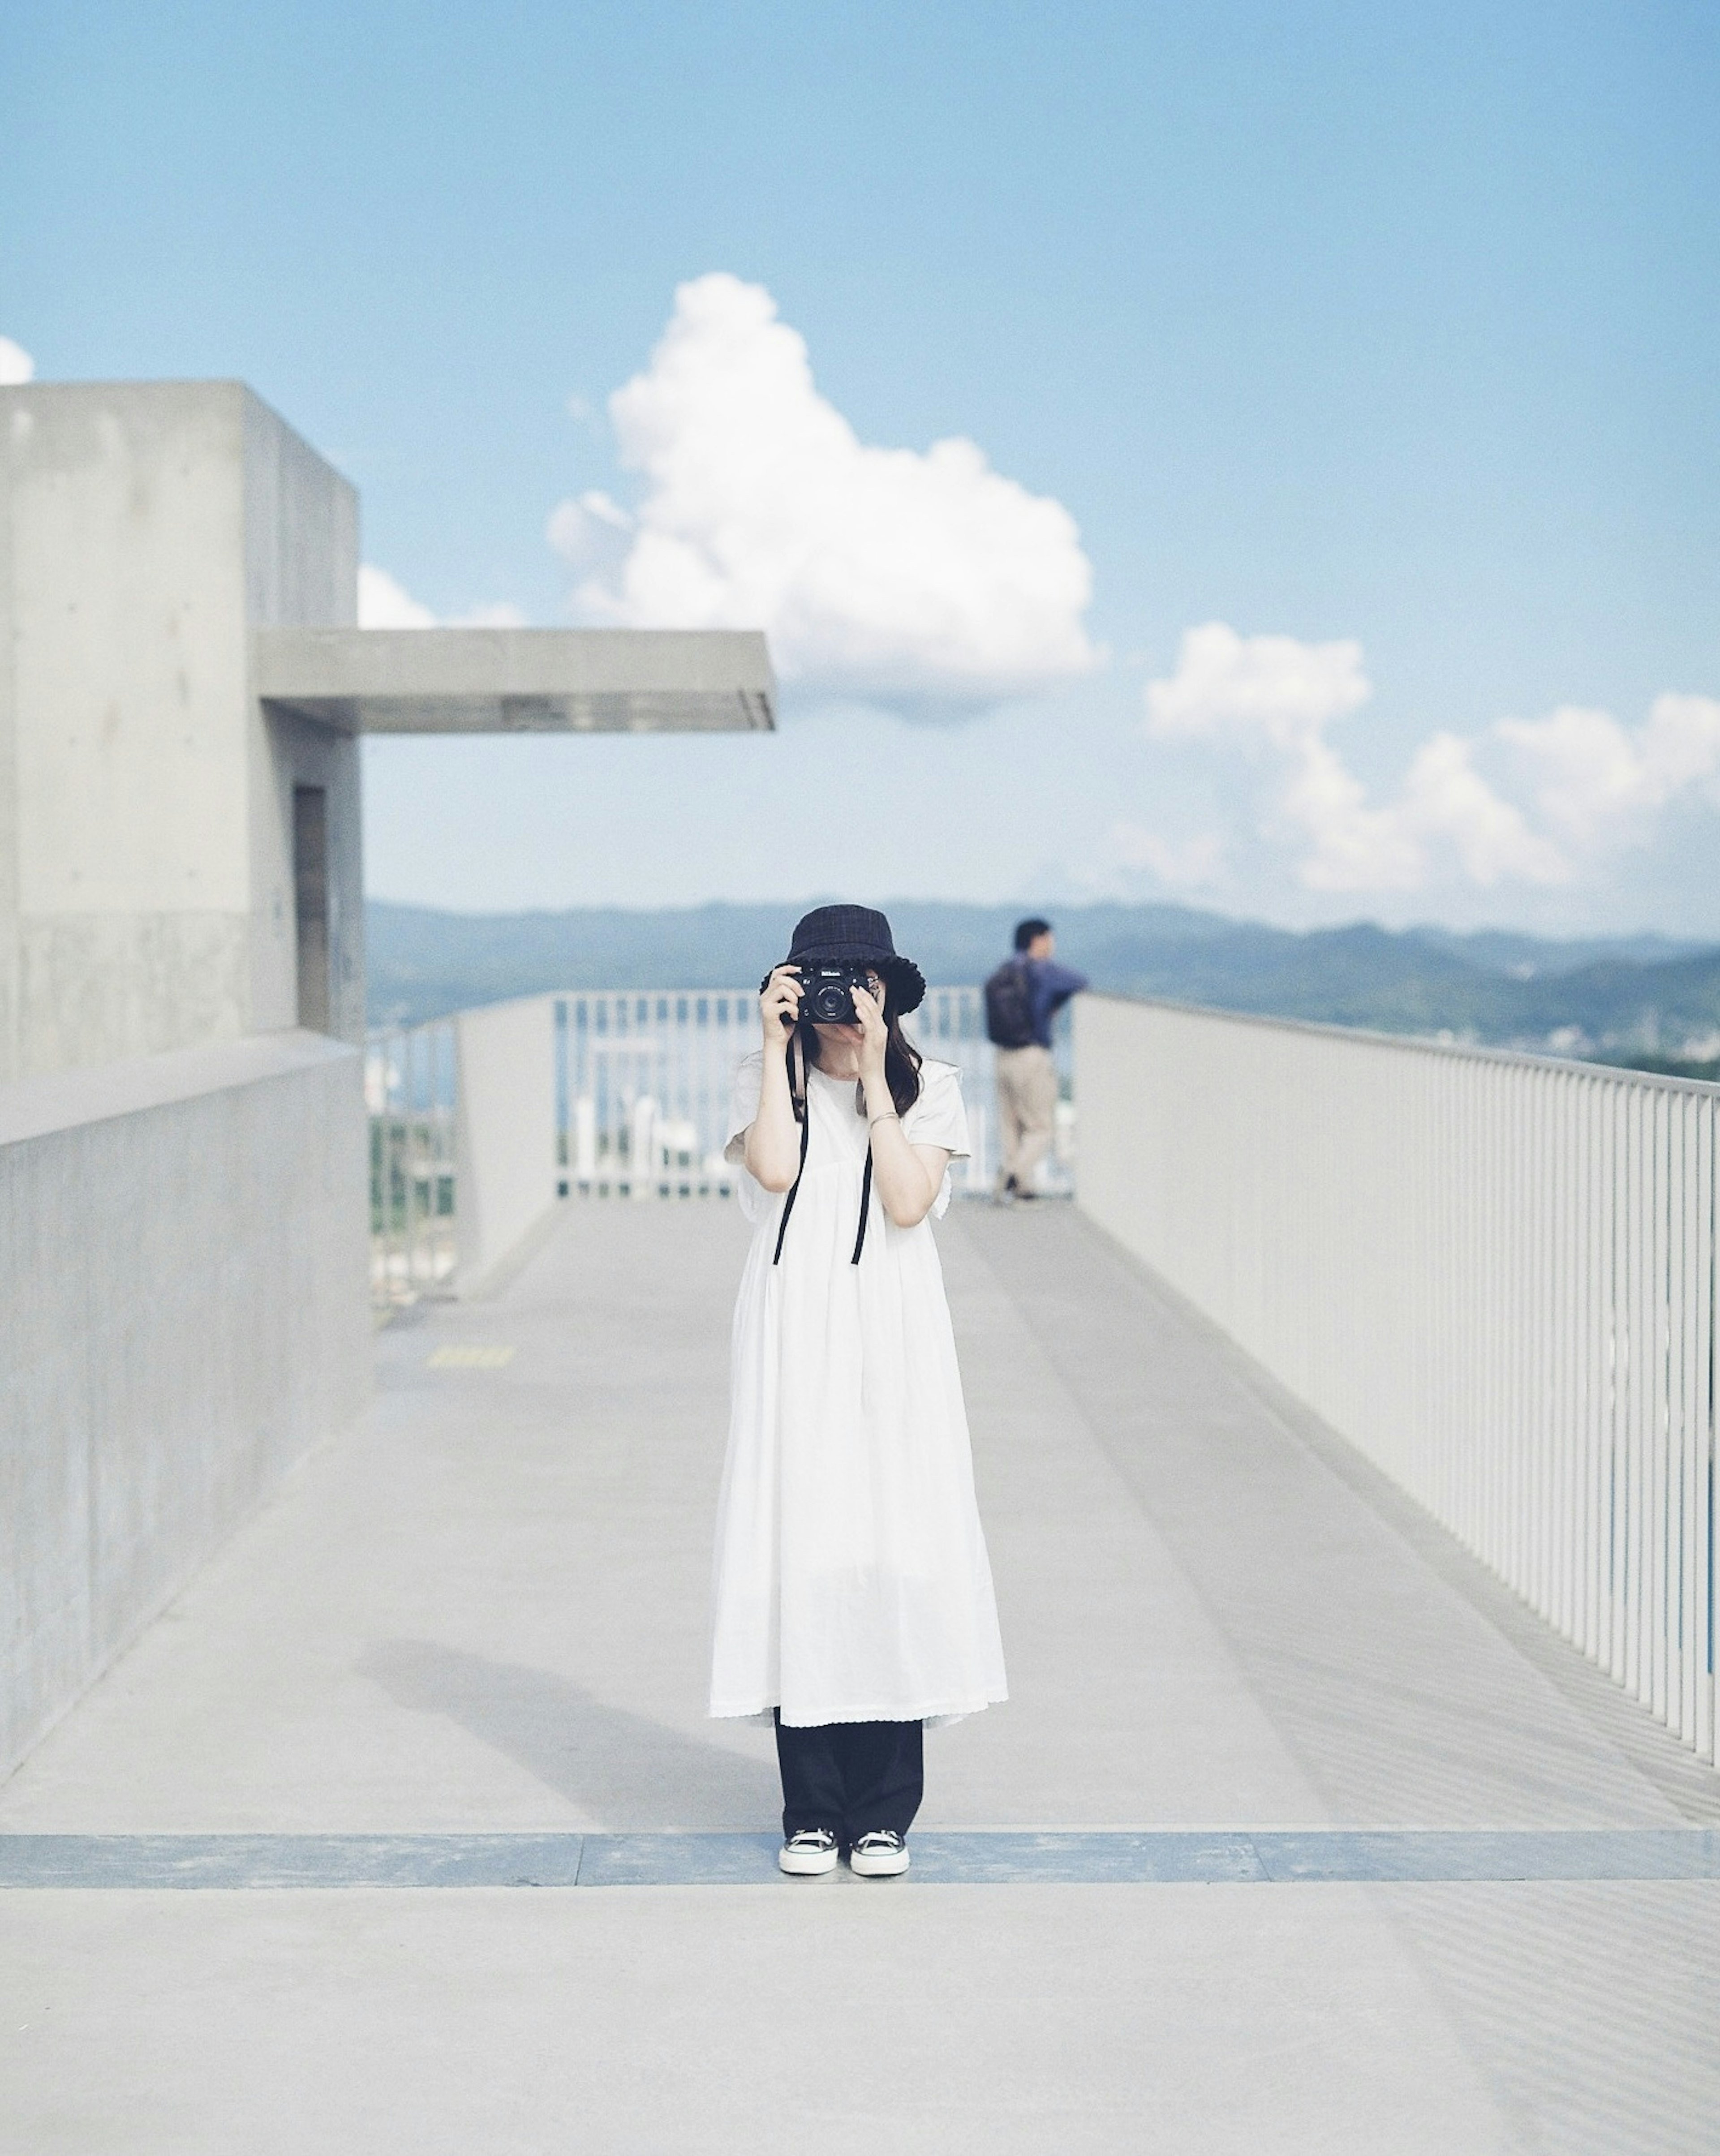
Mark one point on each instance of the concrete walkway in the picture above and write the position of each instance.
(481, 1615)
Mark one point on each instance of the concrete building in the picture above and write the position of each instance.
(182, 681)
(151, 811)
(183, 1222)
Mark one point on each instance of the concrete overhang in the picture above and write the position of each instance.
(520, 681)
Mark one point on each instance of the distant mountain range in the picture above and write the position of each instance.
(1641, 998)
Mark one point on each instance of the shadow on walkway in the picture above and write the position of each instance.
(621, 1770)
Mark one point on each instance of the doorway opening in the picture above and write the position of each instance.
(311, 903)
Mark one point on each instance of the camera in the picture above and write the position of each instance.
(827, 991)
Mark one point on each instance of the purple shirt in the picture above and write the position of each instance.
(1050, 986)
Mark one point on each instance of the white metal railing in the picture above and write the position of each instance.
(645, 1078)
(409, 1089)
(1496, 1275)
(643, 1084)
(466, 1125)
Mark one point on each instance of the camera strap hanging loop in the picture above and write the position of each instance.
(803, 1110)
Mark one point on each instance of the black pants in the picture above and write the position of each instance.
(852, 1778)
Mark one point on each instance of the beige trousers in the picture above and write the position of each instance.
(1027, 1111)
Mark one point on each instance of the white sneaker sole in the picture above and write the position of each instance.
(806, 1864)
(887, 1865)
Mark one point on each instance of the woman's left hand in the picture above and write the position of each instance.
(868, 1015)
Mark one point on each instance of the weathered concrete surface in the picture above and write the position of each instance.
(521, 681)
(183, 1263)
(486, 1609)
(146, 797)
(729, 2021)
(178, 652)
(506, 1172)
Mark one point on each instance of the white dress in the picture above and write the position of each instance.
(851, 1582)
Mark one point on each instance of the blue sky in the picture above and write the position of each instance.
(1374, 346)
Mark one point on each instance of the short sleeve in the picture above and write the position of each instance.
(938, 1117)
(756, 1201)
(749, 1085)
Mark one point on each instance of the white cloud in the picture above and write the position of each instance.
(1351, 846)
(385, 602)
(1182, 864)
(16, 364)
(1681, 744)
(1445, 797)
(1601, 782)
(590, 531)
(1283, 693)
(1286, 689)
(876, 571)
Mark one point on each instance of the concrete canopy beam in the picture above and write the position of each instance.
(520, 681)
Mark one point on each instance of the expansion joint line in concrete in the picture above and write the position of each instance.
(1002, 1857)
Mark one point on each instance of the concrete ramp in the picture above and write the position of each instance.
(1297, 1832)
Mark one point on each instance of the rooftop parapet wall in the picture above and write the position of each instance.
(183, 1251)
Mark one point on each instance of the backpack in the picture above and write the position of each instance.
(1008, 1007)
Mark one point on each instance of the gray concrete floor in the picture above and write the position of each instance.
(484, 1609)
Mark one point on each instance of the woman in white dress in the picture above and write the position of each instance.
(853, 1594)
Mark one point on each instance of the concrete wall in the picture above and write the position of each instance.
(505, 1173)
(146, 899)
(183, 1255)
(301, 571)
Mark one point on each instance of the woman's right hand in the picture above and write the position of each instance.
(780, 1006)
(772, 1152)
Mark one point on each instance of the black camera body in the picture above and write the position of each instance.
(827, 991)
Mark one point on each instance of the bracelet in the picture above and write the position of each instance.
(889, 1116)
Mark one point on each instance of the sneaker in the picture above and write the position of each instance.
(880, 1855)
(809, 1853)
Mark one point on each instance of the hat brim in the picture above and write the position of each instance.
(907, 984)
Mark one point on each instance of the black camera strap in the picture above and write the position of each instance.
(803, 1110)
(860, 1240)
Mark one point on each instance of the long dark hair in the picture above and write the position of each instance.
(901, 1059)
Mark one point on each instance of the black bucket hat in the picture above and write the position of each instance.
(858, 936)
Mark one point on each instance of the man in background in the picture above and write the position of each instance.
(1022, 999)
